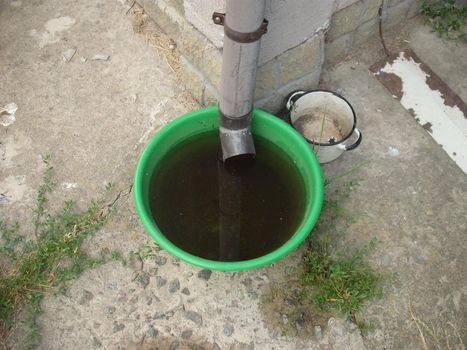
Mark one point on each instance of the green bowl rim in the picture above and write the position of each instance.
(304, 229)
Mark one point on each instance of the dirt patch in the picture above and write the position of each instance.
(154, 36)
(285, 312)
(165, 47)
(285, 316)
(163, 343)
(391, 81)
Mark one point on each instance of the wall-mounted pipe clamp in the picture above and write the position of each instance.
(239, 37)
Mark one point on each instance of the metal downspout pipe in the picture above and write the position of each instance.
(244, 25)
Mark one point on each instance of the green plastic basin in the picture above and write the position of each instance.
(263, 124)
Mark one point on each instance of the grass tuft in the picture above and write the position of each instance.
(342, 283)
(447, 17)
(333, 282)
(41, 262)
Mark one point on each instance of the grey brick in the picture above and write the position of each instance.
(370, 10)
(345, 21)
(397, 14)
(265, 79)
(337, 49)
(300, 60)
(366, 31)
(276, 102)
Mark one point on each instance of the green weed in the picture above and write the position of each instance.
(447, 17)
(331, 280)
(320, 132)
(337, 283)
(41, 262)
(342, 283)
(146, 252)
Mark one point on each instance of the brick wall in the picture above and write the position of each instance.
(357, 22)
(299, 67)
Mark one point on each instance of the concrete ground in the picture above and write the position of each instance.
(94, 117)
(414, 196)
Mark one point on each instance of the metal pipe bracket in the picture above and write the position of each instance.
(239, 37)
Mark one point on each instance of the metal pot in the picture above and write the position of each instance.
(326, 120)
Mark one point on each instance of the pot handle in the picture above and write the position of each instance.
(293, 97)
(356, 143)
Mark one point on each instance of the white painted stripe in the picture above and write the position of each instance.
(448, 124)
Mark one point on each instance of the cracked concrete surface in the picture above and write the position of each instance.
(94, 117)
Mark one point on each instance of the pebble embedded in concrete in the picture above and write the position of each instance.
(144, 280)
(20, 179)
(205, 274)
(158, 316)
(318, 333)
(393, 152)
(118, 327)
(299, 324)
(3, 199)
(194, 317)
(69, 185)
(152, 332)
(174, 285)
(68, 54)
(160, 260)
(247, 282)
(160, 281)
(110, 310)
(8, 114)
(187, 333)
(86, 297)
(228, 329)
(174, 345)
(100, 57)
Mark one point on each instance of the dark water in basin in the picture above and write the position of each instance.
(236, 211)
